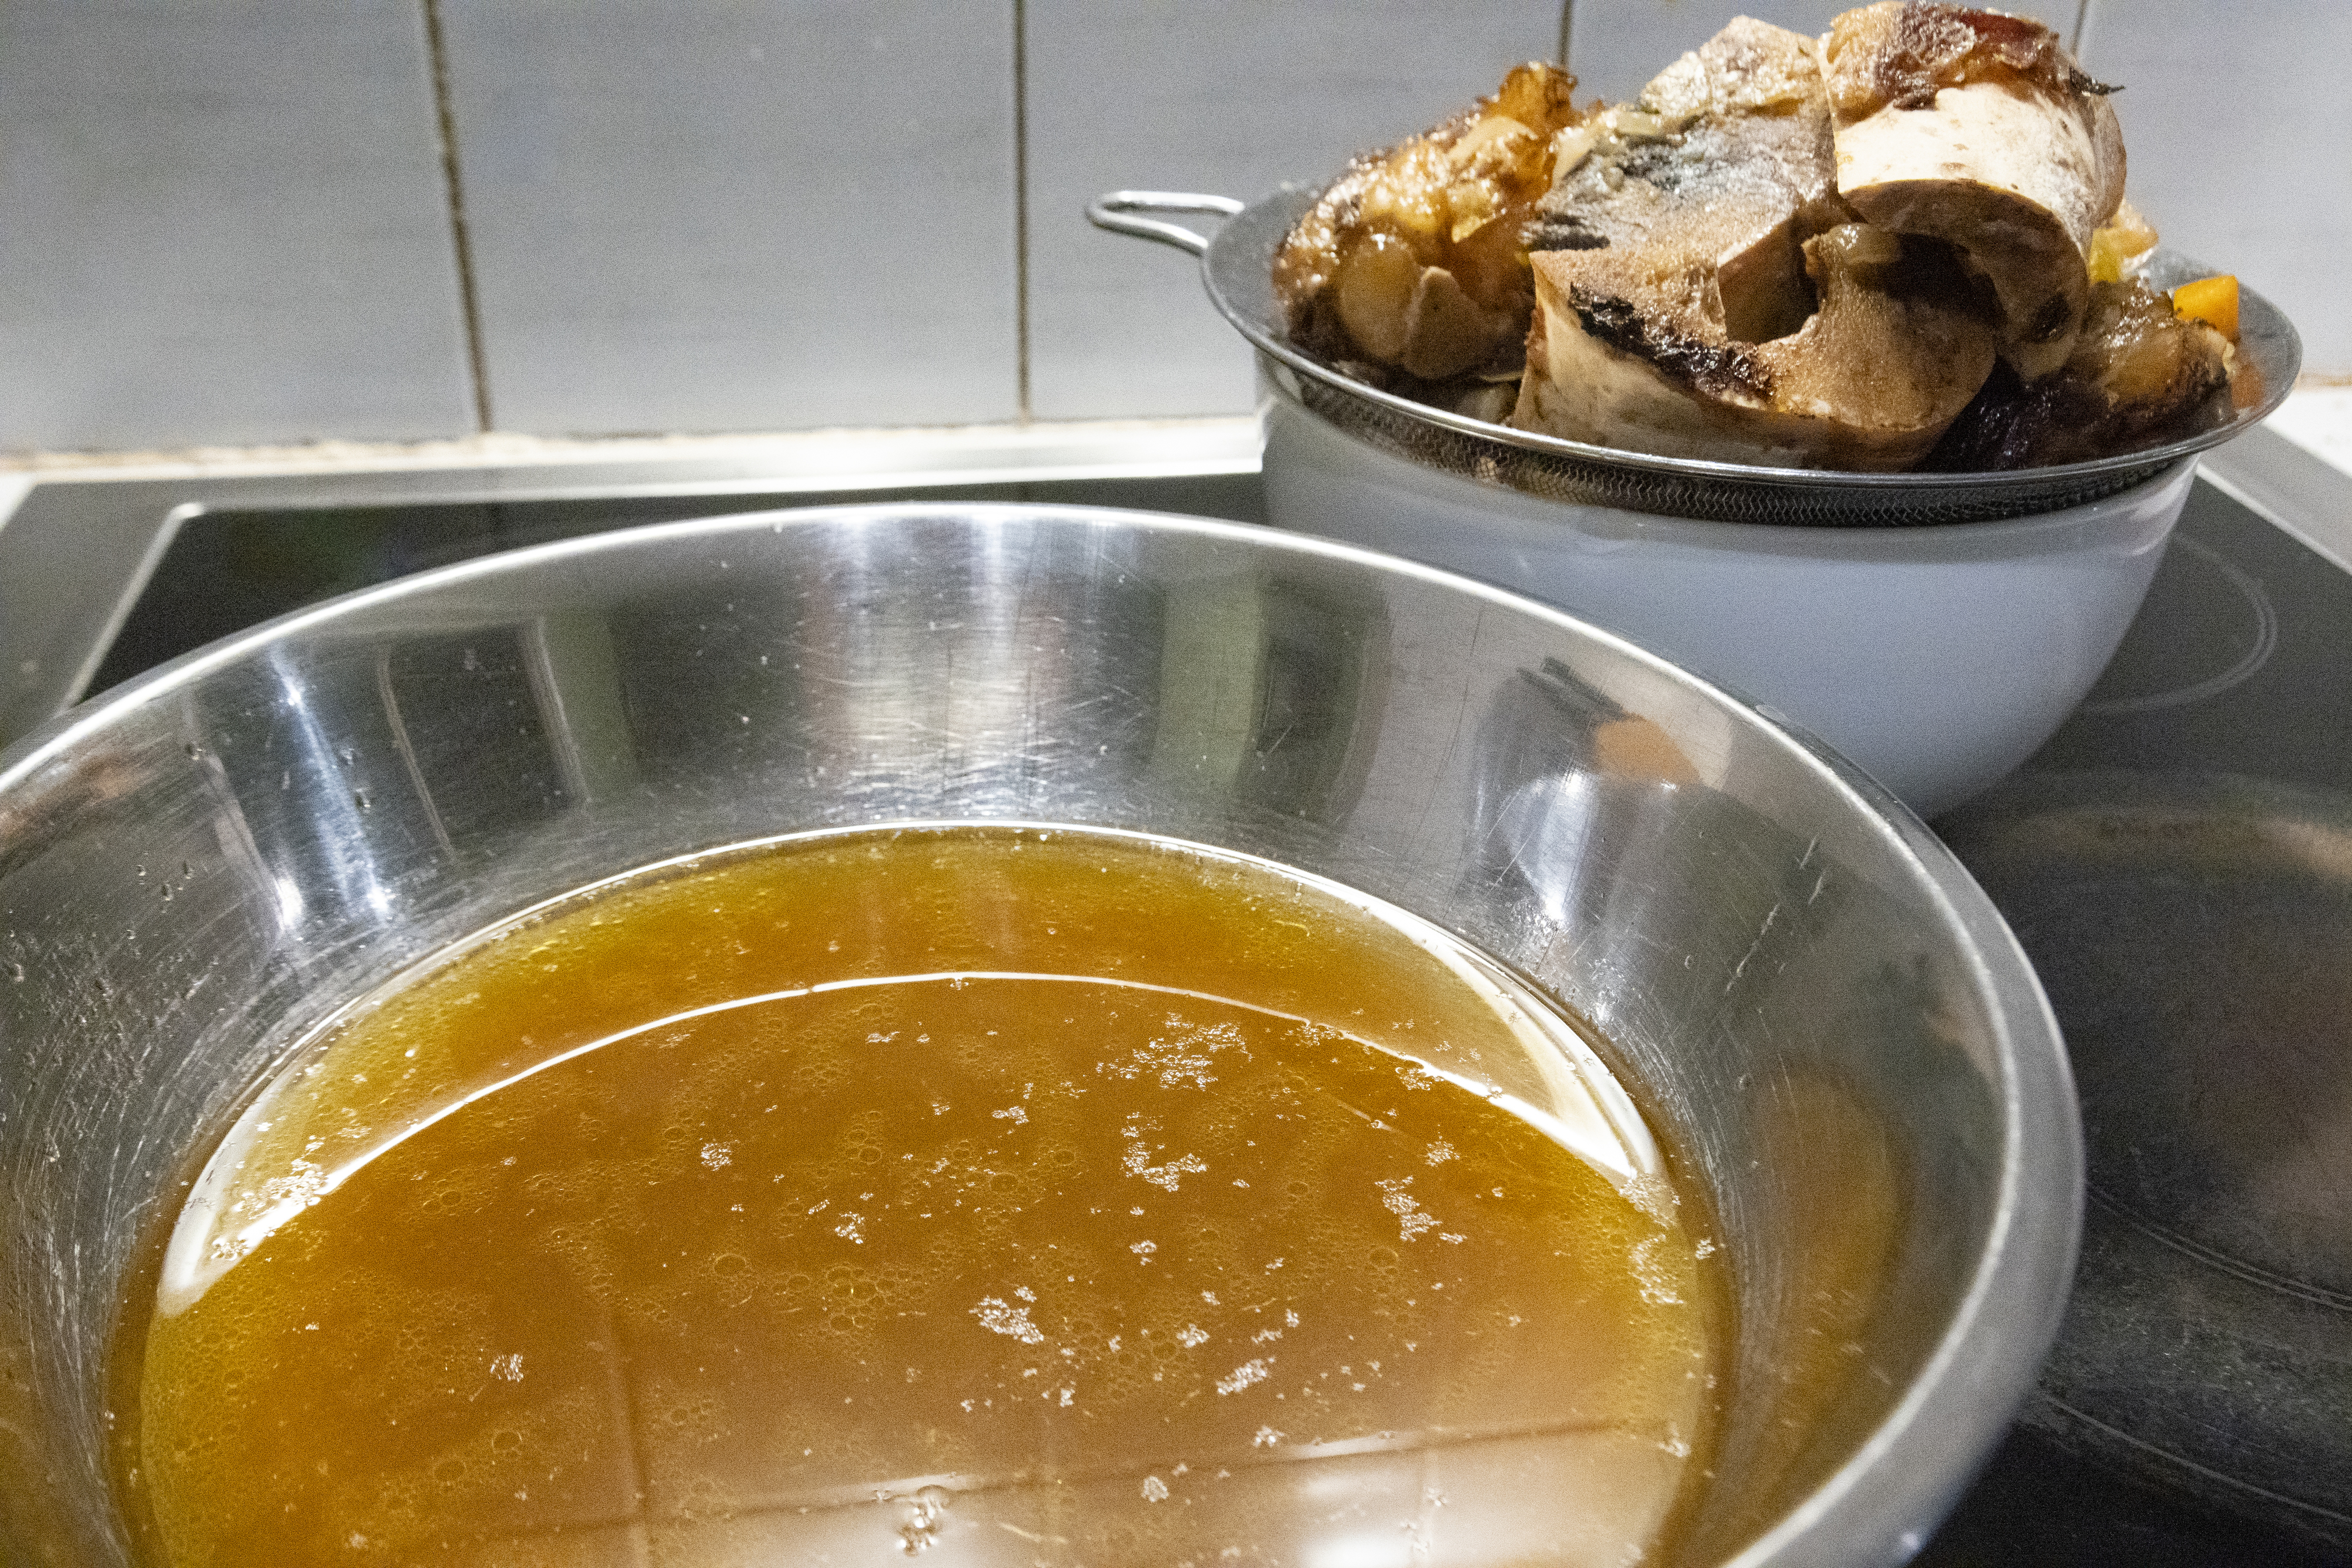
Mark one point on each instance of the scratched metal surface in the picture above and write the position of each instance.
(198, 868)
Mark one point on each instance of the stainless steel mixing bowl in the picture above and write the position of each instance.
(1805, 987)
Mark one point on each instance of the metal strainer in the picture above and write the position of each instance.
(1237, 267)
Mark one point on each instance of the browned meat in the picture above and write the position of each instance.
(1901, 55)
(2138, 375)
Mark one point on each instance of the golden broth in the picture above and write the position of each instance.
(1003, 1195)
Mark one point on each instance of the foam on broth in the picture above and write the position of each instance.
(1003, 1195)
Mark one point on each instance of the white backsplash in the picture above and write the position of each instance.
(722, 216)
(1235, 97)
(228, 223)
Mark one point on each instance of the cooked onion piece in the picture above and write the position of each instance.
(1870, 382)
(1416, 258)
(2117, 246)
(1976, 128)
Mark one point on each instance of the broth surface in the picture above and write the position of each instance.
(1003, 1196)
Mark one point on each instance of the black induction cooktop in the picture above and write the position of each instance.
(2177, 861)
(2178, 864)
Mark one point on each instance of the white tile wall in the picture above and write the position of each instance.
(222, 222)
(727, 214)
(2239, 128)
(1231, 95)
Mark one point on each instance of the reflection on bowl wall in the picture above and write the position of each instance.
(1807, 992)
(1938, 658)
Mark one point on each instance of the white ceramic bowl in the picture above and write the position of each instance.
(1938, 658)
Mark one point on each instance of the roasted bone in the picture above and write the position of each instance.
(1416, 259)
(1975, 128)
(1722, 162)
(1679, 265)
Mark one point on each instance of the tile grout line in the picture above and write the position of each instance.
(444, 119)
(1020, 204)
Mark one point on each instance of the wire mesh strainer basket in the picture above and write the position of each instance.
(1237, 267)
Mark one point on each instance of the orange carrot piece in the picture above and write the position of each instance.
(2212, 300)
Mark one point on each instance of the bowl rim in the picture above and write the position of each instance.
(1885, 1496)
(1810, 539)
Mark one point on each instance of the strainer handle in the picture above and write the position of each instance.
(1112, 212)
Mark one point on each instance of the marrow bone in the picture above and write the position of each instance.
(1975, 128)
(1701, 292)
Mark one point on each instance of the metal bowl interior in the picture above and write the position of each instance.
(1804, 987)
(1237, 268)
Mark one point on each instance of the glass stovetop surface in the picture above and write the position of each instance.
(2177, 862)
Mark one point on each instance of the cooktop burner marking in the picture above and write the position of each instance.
(2265, 642)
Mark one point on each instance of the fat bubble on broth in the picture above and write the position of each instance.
(1000, 1194)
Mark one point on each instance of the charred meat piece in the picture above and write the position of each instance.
(1709, 296)
(1415, 260)
(1976, 127)
(2140, 374)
